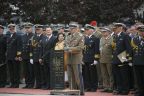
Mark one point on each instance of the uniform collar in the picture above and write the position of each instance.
(39, 35)
(112, 33)
(119, 34)
(108, 37)
(90, 36)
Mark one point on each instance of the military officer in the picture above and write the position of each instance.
(26, 45)
(138, 59)
(106, 59)
(3, 71)
(121, 45)
(98, 34)
(90, 58)
(13, 55)
(74, 46)
(61, 28)
(35, 55)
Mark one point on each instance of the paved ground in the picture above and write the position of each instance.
(21, 95)
(39, 92)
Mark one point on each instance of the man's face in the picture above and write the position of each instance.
(48, 31)
(141, 33)
(73, 29)
(105, 34)
(1, 31)
(38, 30)
(28, 29)
(11, 29)
(117, 29)
(88, 31)
(44, 31)
(61, 30)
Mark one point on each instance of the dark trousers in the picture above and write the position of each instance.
(42, 75)
(37, 73)
(139, 71)
(3, 75)
(14, 67)
(90, 76)
(29, 72)
(121, 78)
(47, 73)
(131, 77)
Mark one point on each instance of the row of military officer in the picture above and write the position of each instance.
(32, 51)
(121, 59)
(26, 49)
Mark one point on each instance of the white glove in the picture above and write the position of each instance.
(125, 59)
(31, 61)
(130, 64)
(95, 62)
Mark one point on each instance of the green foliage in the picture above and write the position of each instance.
(64, 11)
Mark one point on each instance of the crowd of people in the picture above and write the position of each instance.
(109, 58)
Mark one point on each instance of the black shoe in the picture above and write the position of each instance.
(92, 90)
(100, 87)
(124, 93)
(12, 86)
(37, 87)
(109, 90)
(82, 93)
(104, 90)
(2, 86)
(87, 90)
(139, 94)
(115, 92)
(30, 86)
(16, 86)
(45, 88)
(25, 87)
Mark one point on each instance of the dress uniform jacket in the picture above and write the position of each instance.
(121, 43)
(90, 53)
(26, 41)
(2, 48)
(138, 50)
(75, 44)
(75, 41)
(106, 50)
(13, 46)
(120, 69)
(36, 47)
(98, 34)
(91, 49)
(3, 71)
(138, 62)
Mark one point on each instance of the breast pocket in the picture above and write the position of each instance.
(91, 43)
(74, 43)
(120, 42)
